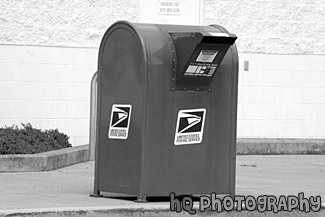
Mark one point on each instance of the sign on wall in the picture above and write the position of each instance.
(186, 12)
(169, 7)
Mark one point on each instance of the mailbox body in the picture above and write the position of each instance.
(140, 89)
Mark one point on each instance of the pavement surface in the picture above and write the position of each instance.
(69, 188)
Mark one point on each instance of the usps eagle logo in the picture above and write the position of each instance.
(119, 123)
(190, 126)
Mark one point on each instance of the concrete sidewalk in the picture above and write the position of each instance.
(68, 189)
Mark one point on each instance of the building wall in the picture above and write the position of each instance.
(74, 23)
(283, 93)
(48, 87)
(294, 27)
(48, 54)
(281, 96)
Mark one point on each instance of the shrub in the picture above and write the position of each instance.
(29, 140)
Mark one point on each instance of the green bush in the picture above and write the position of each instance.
(29, 140)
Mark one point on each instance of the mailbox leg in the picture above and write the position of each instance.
(141, 199)
(96, 194)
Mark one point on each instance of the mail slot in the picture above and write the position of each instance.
(167, 110)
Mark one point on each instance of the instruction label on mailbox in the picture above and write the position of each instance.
(120, 121)
(207, 56)
(190, 126)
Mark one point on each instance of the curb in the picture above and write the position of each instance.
(44, 161)
(144, 210)
(65, 157)
(263, 146)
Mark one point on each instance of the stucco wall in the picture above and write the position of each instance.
(271, 26)
(263, 26)
(73, 23)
